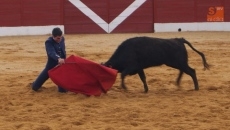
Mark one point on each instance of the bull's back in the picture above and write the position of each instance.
(146, 52)
(154, 49)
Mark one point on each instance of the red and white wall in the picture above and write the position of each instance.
(108, 16)
(30, 17)
(35, 17)
(191, 15)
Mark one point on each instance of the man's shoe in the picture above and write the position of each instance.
(30, 85)
(62, 90)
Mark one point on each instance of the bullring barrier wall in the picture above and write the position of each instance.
(38, 17)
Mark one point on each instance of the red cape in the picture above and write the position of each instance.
(83, 76)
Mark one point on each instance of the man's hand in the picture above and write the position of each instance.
(61, 61)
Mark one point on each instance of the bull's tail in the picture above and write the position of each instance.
(206, 65)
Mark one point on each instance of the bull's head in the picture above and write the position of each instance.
(107, 64)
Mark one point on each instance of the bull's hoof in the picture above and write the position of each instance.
(146, 91)
(124, 87)
(196, 88)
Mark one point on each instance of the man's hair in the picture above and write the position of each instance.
(56, 32)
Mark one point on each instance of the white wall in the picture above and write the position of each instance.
(28, 30)
(199, 26)
(159, 27)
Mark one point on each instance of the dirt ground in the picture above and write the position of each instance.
(164, 107)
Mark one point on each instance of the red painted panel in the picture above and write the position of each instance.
(140, 21)
(100, 7)
(144, 12)
(202, 8)
(83, 28)
(41, 12)
(226, 4)
(10, 13)
(77, 22)
(116, 7)
(74, 16)
(208, 3)
(134, 28)
(170, 11)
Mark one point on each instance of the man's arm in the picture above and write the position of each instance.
(51, 50)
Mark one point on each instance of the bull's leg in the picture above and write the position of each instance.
(143, 79)
(179, 78)
(123, 74)
(192, 73)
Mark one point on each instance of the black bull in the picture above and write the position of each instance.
(135, 54)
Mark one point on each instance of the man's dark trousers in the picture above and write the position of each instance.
(43, 77)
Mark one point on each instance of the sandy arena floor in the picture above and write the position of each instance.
(165, 107)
